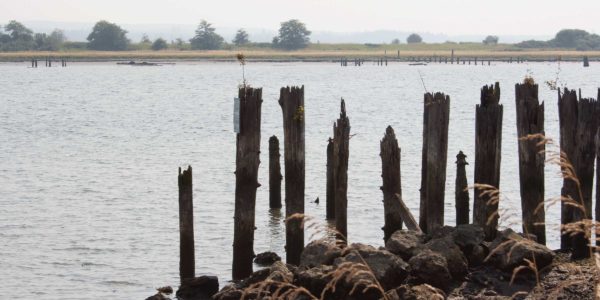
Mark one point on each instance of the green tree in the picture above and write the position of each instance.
(107, 36)
(206, 38)
(414, 39)
(52, 42)
(159, 44)
(568, 38)
(491, 40)
(241, 38)
(292, 35)
(395, 41)
(17, 37)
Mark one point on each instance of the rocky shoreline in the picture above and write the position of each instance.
(450, 263)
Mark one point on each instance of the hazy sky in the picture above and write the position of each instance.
(436, 16)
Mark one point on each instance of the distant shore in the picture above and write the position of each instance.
(324, 52)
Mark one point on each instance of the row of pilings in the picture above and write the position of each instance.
(579, 143)
(458, 60)
(48, 62)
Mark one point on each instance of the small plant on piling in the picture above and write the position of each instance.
(241, 58)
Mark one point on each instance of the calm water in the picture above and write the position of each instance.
(89, 157)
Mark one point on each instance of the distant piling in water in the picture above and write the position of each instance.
(187, 262)
(461, 191)
(274, 174)
(341, 151)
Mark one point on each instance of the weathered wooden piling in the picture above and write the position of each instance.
(530, 132)
(461, 191)
(582, 116)
(435, 149)
(452, 57)
(330, 193)
(187, 262)
(586, 61)
(246, 181)
(341, 151)
(274, 174)
(392, 187)
(291, 100)
(488, 146)
(598, 181)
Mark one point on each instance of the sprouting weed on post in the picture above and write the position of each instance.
(241, 58)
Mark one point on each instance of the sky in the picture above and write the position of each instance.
(452, 17)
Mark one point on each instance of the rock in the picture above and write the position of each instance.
(431, 268)
(509, 250)
(467, 236)
(199, 288)
(266, 258)
(315, 279)
(279, 272)
(318, 253)
(229, 292)
(457, 263)
(255, 277)
(404, 243)
(442, 232)
(389, 269)
(165, 290)
(420, 292)
(477, 256)
(158, 296)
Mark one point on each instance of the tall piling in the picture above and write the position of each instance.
(341, 150)
(598, 182)
(530, 132)
(434, 158)
(567, 116)
(187, 263)
(392, 187)
(586, 61)
(461, 191)
(246, 181)
(488, 146)
(291, 100)
(330, 190)
(274, 174)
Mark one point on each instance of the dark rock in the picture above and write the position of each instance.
(266, 258)
(165, 290)
(199, 288)
(229, 292)
(279, 272)
(318, 253)
(477, 256)
(441, 232)
(457, 263)
(404, 243)
(509, 250)
(389, 269)
(158, 296)
(256, 277)
(468, 236)
(420, 292)
(431, 268)
(315, 279)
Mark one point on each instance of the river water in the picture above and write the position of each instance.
(89, 157)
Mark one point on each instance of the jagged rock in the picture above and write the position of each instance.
(404, 243)
(509, 250)
(266, 258)
(389, 269)
(431, 268)
(457, 263)
(165, 290)
(158, 296)
(279, 272)
(229, 292)
(419, 292)
(314, 279)
(256, 277)
(318, 253)
(441, 232)
(199, 288)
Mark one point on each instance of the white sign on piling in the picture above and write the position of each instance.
(236, 115)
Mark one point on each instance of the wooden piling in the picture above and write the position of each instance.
(598, 181)
(291, 100)
(461, 191)
(274, 174)
(187, 263)
(330, 193)
(246, 181)
(434, 158)
(530, 130)
(452, 57)
(341, 150)
(586, 62)
(488, 145)
(567, 115)
(392, 187)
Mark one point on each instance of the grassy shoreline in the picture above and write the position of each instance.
(317, 52)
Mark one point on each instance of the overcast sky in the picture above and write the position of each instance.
(515, 17)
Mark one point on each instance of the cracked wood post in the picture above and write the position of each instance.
(567, 115)
(341, 143)
(598, 180)
(291, 100)
(187, 263)
(461, 191)
(488, 152)
(434, 159)
(407, 216)
(392, 187)
(530, 132)
(246, 181)
(330, 194)
(274, 174)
